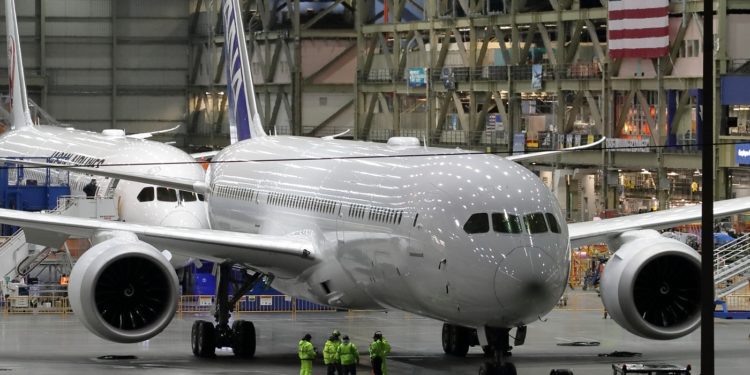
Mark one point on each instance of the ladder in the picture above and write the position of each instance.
(732, 266)
(12, 251)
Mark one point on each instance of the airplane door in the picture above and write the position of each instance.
(426, 254)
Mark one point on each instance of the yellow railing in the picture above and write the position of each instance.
(36, 305)
(191, 304)
(252, 304)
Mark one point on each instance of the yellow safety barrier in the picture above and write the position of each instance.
(193, 304)
(36, 305)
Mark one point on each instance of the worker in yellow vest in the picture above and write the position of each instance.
(330, 354)
(306, 353)
(379, 350)
(349, 356)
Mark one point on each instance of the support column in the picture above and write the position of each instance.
(43, 50)
(113, 57)
(296, 71)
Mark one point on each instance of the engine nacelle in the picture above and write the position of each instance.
(651, 286)
(124, 290)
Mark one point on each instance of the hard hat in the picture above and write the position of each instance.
(336, 333)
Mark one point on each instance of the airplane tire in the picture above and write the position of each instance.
(447, 338)
(488, 351)
(194, 337)
(202, 339)
(561, 371)
(487, 368)
(455, 340)
(243, 339)
(506, 368)
(461, 341)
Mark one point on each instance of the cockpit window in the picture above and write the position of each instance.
(200, 197)
(535, 223)
(187, 196)
(553, 225)
(166, 195)
(505, 223)
(477, 223)
(146, 194)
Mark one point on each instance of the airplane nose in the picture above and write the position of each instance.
(527, 282)
(181, 219)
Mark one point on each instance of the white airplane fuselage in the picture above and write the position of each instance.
(85, 147)
(389, 226)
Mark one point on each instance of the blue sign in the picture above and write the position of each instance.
(417, 77)
(742, 153)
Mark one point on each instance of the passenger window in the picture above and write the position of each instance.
(504, 223)
(146, 195)
(166, 195)
(200, 197)
(477, 223)
(535, 223)
(187, 196)
(553, 225)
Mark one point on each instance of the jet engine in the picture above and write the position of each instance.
(651, 286)
(124, 290)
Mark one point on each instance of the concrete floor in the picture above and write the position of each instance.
(54, 344)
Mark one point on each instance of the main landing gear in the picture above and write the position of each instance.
(206, 337)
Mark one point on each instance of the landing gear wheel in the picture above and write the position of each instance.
(455, 340)
(243, 339)
(487, 368)
(506, 368)
(203, 339)
(488, 350)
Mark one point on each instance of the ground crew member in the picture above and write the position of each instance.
(306, 353)
(349, 356)
(90, 188)
(330, 354)
(379, 350)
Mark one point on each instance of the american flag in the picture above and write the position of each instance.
(638, 28)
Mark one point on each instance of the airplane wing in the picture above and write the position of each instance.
(151, 134)
(197, 186)
(284, 256)
(601, 230)
(534, 155)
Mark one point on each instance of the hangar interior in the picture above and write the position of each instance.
(503, 77)
(450, 73)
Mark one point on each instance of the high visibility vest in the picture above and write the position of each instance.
(330, 354)
(348, 354)
(378, 349)
(305, 350)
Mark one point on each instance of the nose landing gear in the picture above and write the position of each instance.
(498, 339)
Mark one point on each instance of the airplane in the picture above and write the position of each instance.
(474, 240)
(136, 202)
